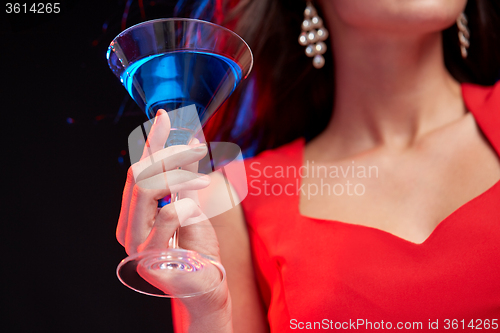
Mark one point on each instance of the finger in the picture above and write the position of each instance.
(158, 134)
(191, 193)
(194, 142)
(175, 181)
(196, 145)
(142, 212)
(121, 228)
(189, 212)
(158, 156)
(144, 201)
(165, 224)
(168, 220)
(168, 159)
(197, 233)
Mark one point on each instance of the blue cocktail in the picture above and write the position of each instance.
(173, 80)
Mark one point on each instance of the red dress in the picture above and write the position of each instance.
(318, 274)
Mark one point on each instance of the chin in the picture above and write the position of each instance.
(397, 16)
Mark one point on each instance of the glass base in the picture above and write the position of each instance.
(173, 273)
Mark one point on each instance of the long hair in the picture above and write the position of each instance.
(285, 98)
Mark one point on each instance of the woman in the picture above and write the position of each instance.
(420, 241)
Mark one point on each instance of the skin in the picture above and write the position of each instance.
(406, 117)
(396, 107)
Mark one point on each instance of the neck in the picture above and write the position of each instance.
(389, 89)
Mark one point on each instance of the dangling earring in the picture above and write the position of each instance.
(313, 36)
(463, 34)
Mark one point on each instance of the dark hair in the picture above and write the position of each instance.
(291, 99)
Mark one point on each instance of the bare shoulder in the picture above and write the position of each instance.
(234, 244)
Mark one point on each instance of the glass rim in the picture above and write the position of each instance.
(189, 20)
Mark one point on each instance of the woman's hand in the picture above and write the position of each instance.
(142, 226)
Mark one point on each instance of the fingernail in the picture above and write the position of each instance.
(204, 177)
(201, 147)
(158, 114)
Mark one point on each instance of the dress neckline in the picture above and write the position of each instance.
(474, 108)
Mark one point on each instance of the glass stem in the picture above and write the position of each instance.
(175, 237)
(174, 242)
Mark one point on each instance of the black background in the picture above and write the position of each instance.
(62, 138)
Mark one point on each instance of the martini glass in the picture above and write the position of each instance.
(177, 64)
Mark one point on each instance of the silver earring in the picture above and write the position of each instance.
(463, 34)
(313, 36)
